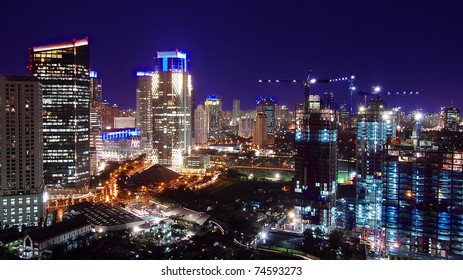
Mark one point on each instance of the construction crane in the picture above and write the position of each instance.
(311, 81)
(377, 91)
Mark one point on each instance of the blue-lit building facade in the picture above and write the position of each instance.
(171, 108)
(375, 126)
(423, 200)
(120, 144)
(63, 70)
(316, 167)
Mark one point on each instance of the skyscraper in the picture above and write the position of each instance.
(267, 105)
(451, 118)
(63, 70)
(236, 110)
(144, 116)
(96, 92)
(316, 166)
(245, 125)
(213, 106)
(259, 130)
(172, 94)
(201, 126)
(283, 117)
(423, 200)
(375, 126)
(21, 164)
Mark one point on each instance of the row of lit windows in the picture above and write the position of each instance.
(20, 201)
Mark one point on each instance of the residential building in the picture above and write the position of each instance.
(201, 128)
(21, 152)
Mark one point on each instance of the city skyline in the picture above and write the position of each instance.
(231, 130)
(411, 47)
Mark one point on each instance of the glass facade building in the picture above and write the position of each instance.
(423, 200)
(171, 108)
(63, 70)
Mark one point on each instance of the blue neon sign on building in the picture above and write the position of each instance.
(120, 134)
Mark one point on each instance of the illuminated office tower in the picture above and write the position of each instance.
(144, 116)
(201, 126)
(259, 130)
(267, 105)
(172, 94)
(96, 145)
(316, 166)
(21, 165)
(63, 70)
(423, 200)
(451, 119)
(213, 106)
(375, 126)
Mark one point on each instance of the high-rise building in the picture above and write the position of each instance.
(213, 107)
(267, 105)
(423, 200)
(172, 100)
(108, 114)
(144, 114)
(344, 117)
(375, 126)
(201, 133)
(96, 94)
(21, 147)
(259, 130)
(451, 119)
(283, 117)
(236, 111)
(63, 70)
(96, 86)
(316, 166)
(245, 125)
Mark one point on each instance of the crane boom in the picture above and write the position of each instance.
(350, 79)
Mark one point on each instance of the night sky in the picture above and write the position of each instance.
(399, 45)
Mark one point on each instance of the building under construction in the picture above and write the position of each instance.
(423, 200)
(316, 166)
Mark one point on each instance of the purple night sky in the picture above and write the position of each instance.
(399, 45)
